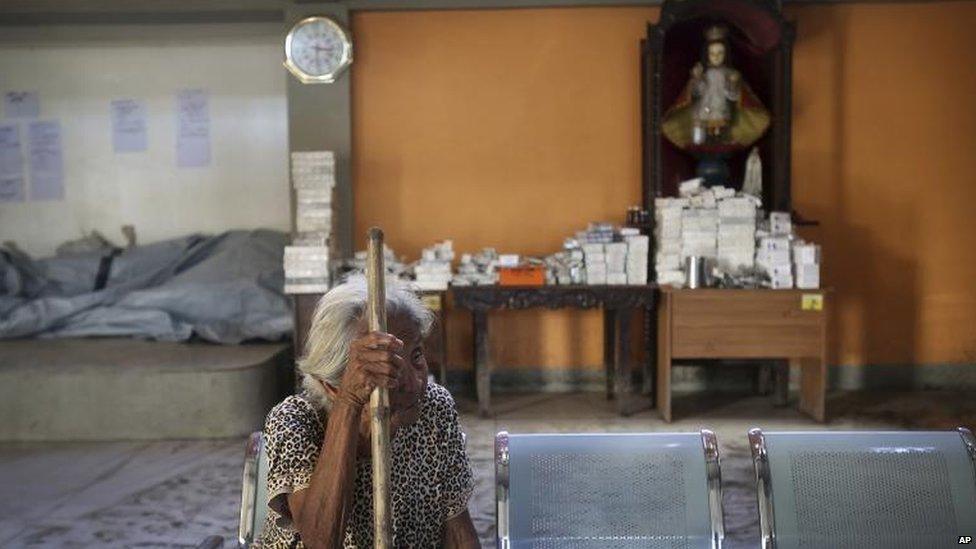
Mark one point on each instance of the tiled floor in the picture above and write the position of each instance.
(175, 493)
(118, 494)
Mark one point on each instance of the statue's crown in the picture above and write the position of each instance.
(716, 33)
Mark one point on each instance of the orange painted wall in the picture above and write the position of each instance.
(884, 152)
(513, 128)
(510, 129)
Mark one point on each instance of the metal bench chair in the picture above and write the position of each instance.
(608, 491)
(841, 490)
(254, 489)
(254, 509)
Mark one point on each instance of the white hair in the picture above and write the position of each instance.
(336, 323)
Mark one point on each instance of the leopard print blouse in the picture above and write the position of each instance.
(430, 477)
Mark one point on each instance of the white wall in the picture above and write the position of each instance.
(79, 73)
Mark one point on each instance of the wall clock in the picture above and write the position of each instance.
(317, 50)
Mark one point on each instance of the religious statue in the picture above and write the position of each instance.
(716, 113)
(752, 181)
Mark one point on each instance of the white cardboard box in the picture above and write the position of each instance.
(637, 278)
(671, 278)
(780, 270)
(781, 283)
(508, 260)
(774, 243)
(806, 253)
(808, 276)
(772, 257)
(594, 280)
(780, 223)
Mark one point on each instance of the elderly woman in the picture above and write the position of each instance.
(319, 477)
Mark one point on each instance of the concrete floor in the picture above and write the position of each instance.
(175, 493)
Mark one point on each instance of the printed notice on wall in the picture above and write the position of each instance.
(11, 164)
(21, 104)
(128, 125)
(46, 168)
(192, 129)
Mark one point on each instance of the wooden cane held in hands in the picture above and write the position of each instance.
(379, 400)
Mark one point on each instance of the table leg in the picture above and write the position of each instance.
(622, 374)
(482, 365)
(813, 387)
(442, 329)
(609, 341)
(762, 378)
(664, 357)
(650, 350)
(781, 383)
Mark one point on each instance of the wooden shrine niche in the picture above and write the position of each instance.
(758, 45)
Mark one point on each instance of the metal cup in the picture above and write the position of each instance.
(695, 271)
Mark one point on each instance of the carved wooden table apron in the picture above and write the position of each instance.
(618, 303)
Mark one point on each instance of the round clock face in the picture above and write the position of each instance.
(317, 50)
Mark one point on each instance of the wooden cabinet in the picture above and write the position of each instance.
(749, 324)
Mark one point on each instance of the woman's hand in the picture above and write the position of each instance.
(373, 362)
(321, 511)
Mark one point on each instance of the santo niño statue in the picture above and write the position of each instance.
(716, 111)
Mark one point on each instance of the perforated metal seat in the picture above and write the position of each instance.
(608, 491)
(254, 490)
(841, 490)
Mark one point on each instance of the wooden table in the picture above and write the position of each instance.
(618, 303)
(745, 324)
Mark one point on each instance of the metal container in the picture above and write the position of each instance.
(698, 271)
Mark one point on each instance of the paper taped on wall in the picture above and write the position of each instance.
(192, 129)
(46, 163)
(128, 125)
(11, 164)
(21, 104)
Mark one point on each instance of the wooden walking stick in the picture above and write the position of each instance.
(379, 400)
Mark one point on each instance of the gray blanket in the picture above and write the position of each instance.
(225, 289)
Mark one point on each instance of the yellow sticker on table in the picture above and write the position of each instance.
(811, 302)
(432, 301)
